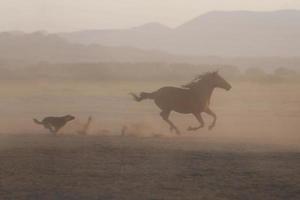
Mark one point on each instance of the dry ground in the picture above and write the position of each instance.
(114, 167)
(253, 153)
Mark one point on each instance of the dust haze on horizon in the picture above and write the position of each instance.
(67, 15)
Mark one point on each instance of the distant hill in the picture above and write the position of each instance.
(39, 47)
(148, 36)
(218, 33)
(24, 49)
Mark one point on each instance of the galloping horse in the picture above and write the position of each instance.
(193, 98)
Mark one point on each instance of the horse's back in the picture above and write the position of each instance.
(173, 92)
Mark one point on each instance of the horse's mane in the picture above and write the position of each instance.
(197, 79)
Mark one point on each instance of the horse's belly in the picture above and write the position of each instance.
(180, 102)
(186, 110)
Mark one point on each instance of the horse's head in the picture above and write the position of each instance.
(210, 79)
(217, 81)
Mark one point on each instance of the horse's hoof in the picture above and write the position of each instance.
(194, 128)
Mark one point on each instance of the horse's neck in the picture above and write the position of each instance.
(204, 93)
(209, 95)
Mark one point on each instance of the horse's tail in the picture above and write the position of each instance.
(37, 121)
(143, 95)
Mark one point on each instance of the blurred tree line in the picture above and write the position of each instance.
(140, 72)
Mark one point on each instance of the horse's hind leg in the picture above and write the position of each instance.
(165, 115)
(200, 120)
(211, 113)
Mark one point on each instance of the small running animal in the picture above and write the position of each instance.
(54, 124)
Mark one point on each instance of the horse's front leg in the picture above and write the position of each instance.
(200, 120)
(211, 113)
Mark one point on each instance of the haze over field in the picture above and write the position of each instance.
(81, 59)
(246, 46)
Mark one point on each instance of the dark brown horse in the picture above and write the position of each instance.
(193, 98)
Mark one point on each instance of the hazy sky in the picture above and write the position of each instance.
(68, 15)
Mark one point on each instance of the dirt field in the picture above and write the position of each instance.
(114, 167)
(253, 152)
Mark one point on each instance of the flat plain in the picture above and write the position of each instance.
(253, 153)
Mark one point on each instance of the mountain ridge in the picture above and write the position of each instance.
(219, 33)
